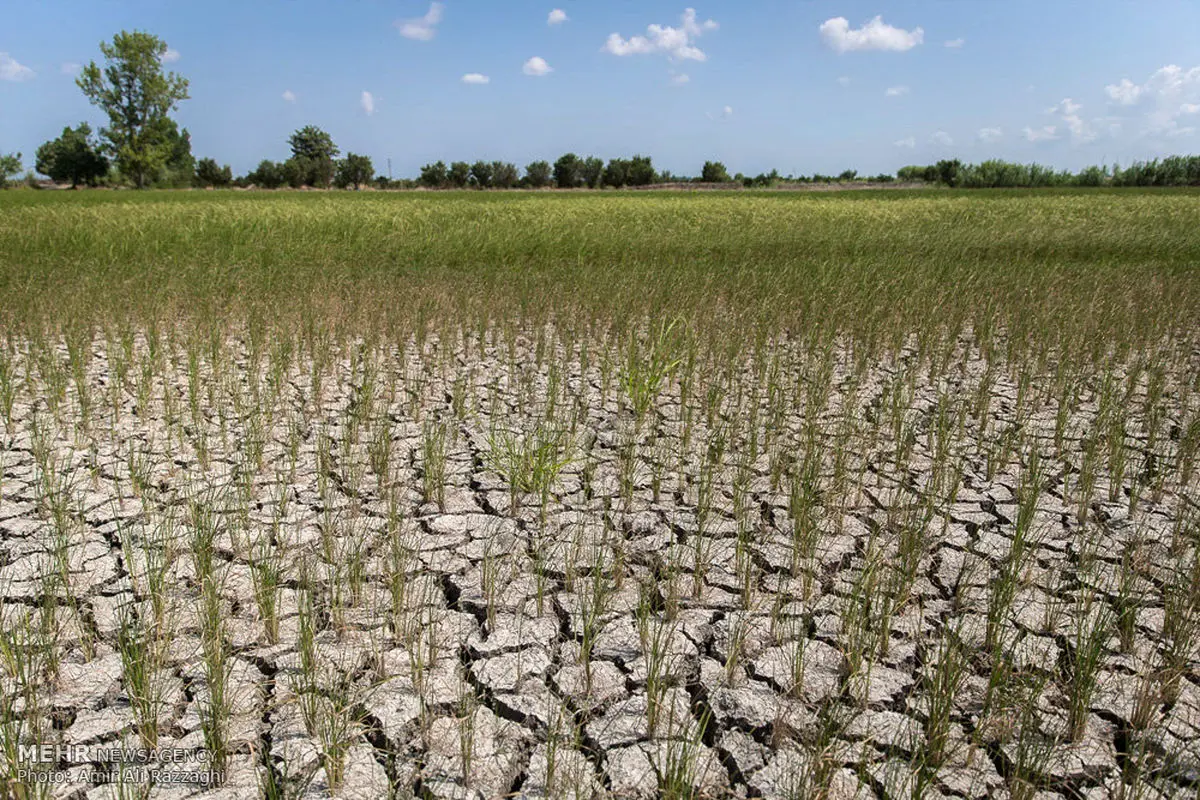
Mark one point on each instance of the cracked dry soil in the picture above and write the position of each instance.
(466, 567)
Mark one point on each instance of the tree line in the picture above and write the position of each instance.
(997, 174)
(142, 146)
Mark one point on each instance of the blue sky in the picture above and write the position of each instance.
(799, 85)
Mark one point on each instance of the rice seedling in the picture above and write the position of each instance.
(1128, 599)
(8, 387)
(814, 777)
(143, 660)
(593, 603)
(1013, 565)
(149, 556)
(267, 574)
(331, 708)
(802, 509)
(680, 770)
(215, 654)
(1180, 628)
(25, 647)
(399, 563)
(530, 463)
(702, 540)
(950, 667)
(656, 635)
(491, 576)
(646, 366)
(1031, 751)
(627, 466)
(1093, 621)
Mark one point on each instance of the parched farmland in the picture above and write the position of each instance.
(601, 495)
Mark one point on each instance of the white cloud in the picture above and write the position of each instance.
(844, 81)
(1067, 111)
(422, 28)
(289, 96)
(679, 78)
(367, 101)
(1126, 92)
(1066, 106)
(1169, 93)
(727, 112)
(941, 138)
(557, 17)
(896, 91)
(955, 44)
(875, 35)
(476, 79)
(13, 70)
(70, 68)
(1043, 134)
(677, 43)
(990, 134)
(907, 141)
(537, 67)
(171, 56)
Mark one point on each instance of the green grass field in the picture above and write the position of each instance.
(1119, 262)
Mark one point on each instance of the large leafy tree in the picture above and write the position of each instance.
(483, 173)
(434, 176)
(209, 173)
(312, 142)
(616, 174)
(592, 171)
(354, 170)
(714, 172)
(293, 173)
(641, 171)
(136, 94)
(267, 175)
(947, 171)
(505, 175)
(537, 174)
(180, 167)
(73, 156)
(9, 165)
(313, 154)
(568, 171)
(459, 174)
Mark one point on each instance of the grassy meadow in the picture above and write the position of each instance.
(604, 494)
(893, 262)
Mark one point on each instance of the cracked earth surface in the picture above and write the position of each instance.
(469, 567)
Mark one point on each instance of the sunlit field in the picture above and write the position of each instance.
(623, 495)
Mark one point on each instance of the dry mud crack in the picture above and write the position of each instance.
(468, 567)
